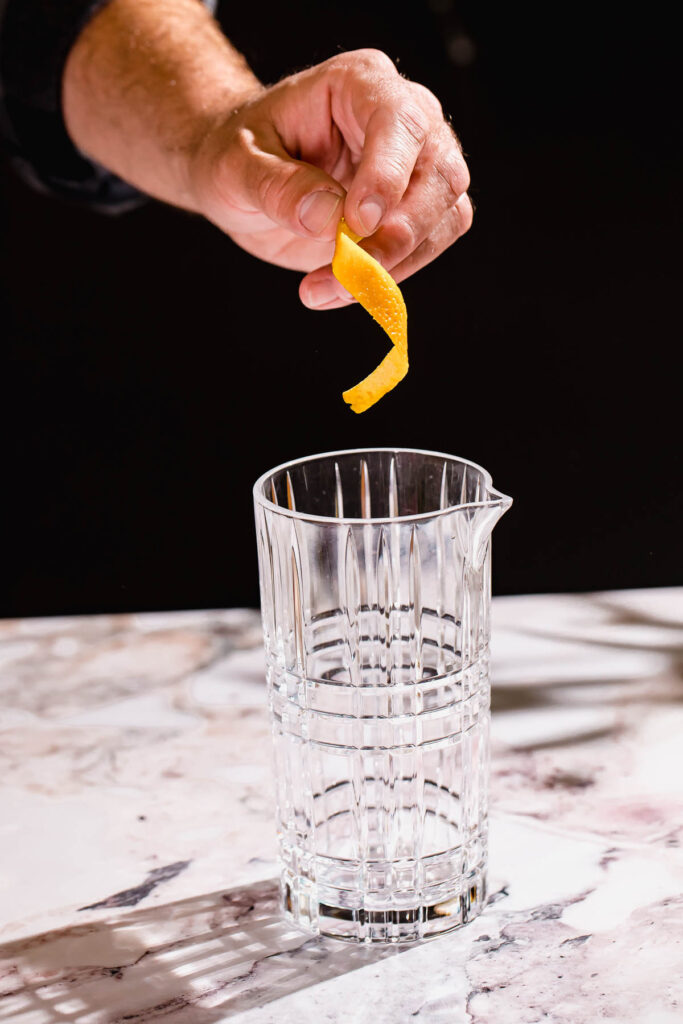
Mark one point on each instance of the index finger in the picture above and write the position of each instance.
(395, 136)
(385, 121)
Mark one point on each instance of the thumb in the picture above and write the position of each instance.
(266, 180)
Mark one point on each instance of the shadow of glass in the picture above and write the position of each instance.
(200, 960)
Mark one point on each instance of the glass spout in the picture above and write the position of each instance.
(484, 518)
(500, 499)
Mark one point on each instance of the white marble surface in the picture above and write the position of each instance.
(137, 854)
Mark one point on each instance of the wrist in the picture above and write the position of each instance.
(212, 145)
(214, 155)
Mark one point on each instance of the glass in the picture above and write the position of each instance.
(375, 595)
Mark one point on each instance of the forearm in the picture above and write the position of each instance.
(142, 85)
(155, 93)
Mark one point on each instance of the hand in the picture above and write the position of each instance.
(348, 136)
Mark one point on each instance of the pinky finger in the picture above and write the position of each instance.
(455, 222)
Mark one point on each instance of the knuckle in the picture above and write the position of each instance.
(460, 181)
(243, 141)
(268, 191)
(374, 60)
(463, 177)
(456, 175)
(412, 120)
(338, 62)
(274, 192)
(465, 215)
(365, 62)
(390, 177)
(430, 248)
(404, 235)
(336, 70)
(450, 142)
(427, 100)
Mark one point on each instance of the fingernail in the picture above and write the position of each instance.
(370, 212)
(317, 210)
(320, 292)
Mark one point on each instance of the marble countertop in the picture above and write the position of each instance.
(137, 847)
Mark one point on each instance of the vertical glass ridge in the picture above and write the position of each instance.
(338, 494)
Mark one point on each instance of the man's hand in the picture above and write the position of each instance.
(350, 136)
(153, 91)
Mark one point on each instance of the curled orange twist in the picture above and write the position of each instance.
(375, 289)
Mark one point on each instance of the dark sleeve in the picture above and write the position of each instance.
(35, 39)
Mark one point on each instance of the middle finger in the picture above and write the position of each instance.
(438, 181)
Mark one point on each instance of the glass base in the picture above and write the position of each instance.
(402, 921)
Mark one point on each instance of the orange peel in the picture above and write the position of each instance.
(377, 292)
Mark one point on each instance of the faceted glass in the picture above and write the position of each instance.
(375, 595)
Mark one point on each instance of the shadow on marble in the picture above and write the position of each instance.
(616, 619)
(660, 682)
(522, 696)
(555, 743)
(624, 616)
(203, 960)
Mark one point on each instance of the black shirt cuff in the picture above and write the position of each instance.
(35, 39)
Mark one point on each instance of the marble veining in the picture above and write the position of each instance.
(131, 897)
(137, 852)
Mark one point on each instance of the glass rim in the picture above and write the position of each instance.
(497, 497)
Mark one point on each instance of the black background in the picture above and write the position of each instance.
(151, 369)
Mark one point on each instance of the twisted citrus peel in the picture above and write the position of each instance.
(375, 289)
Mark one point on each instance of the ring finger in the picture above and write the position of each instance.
(457, 220)
(436, 185)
